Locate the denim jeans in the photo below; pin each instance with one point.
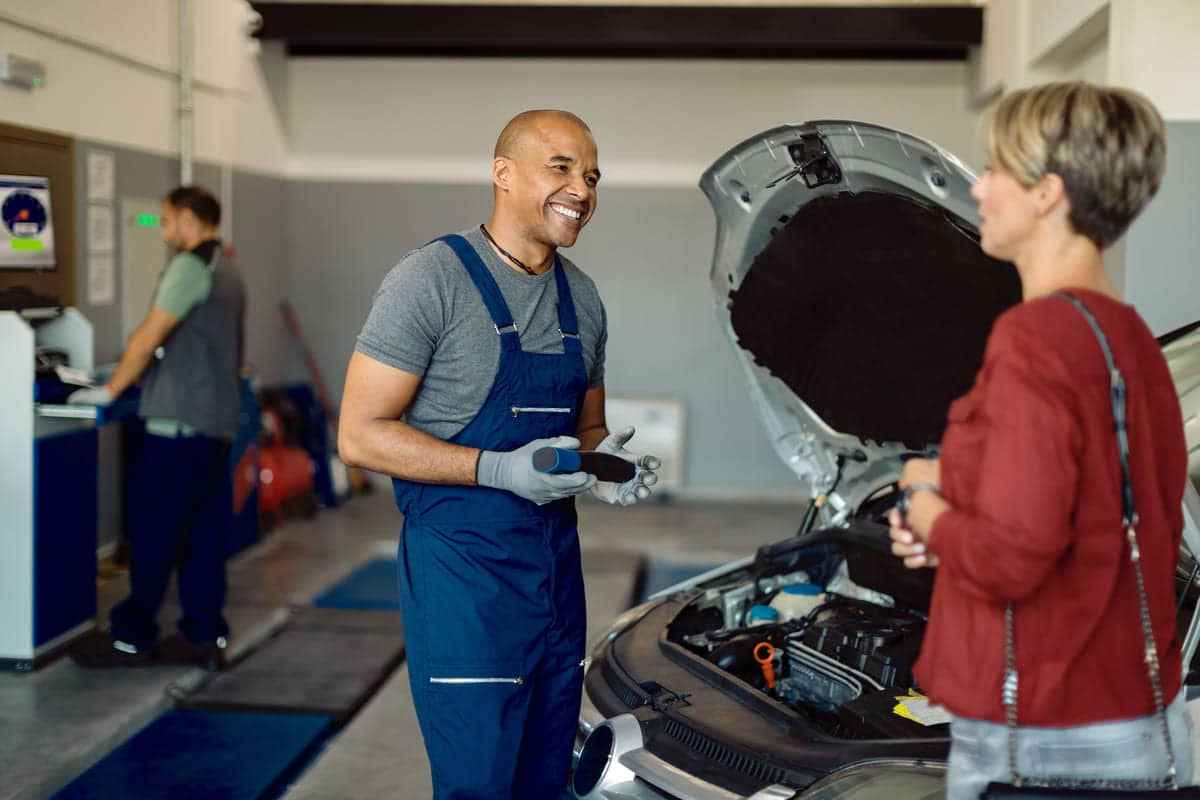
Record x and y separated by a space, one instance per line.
1131 748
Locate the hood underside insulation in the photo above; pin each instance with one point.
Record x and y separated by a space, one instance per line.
874 309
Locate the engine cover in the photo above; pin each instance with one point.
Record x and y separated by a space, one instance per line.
879 642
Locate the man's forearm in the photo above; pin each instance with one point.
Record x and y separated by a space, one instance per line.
137 357
398 449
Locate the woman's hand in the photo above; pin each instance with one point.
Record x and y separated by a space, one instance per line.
909 536
906 544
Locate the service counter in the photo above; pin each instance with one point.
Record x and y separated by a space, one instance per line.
48 487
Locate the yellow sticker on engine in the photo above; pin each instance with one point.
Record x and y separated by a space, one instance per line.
916 707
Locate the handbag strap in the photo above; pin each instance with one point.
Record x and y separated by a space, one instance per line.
1129 521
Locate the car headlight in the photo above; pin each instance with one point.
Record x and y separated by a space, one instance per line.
882 780
626 620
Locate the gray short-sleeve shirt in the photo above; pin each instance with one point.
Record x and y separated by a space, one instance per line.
429 319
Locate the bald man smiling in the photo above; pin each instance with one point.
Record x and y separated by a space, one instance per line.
480 348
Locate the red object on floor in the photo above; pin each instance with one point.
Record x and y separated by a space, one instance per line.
284 472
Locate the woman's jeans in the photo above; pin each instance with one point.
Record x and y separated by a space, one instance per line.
1132 748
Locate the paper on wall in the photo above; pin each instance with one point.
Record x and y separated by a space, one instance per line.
102 174
100 229
101 280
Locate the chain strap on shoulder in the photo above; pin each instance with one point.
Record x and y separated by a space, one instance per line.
1117 395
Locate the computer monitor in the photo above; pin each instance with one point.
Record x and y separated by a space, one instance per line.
26 225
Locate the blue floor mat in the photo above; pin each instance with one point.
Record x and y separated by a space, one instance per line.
200 754
370 587
324 661
660 573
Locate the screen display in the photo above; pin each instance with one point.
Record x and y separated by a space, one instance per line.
26 227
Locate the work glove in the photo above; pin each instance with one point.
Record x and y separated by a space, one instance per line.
636 488
513 472
94 396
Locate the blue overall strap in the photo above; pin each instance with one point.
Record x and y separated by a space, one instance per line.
501 317
568 325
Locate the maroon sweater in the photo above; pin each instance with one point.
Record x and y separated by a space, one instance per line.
1029 464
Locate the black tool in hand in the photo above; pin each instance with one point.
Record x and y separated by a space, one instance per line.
605 466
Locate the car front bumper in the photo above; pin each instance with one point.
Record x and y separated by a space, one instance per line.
630 772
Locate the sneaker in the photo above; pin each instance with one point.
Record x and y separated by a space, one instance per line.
175 649
99 650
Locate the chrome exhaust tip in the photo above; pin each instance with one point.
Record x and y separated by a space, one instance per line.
599 766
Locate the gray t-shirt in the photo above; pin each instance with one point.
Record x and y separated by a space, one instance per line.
429 319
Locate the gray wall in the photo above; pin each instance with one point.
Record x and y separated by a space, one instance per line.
344 238
259 232
1162 249
649 251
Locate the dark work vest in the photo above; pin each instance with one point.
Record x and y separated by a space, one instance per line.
194 378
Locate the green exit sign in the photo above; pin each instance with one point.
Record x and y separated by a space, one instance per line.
147 220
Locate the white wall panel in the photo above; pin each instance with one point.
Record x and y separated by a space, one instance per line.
111 76
656 122
1153 48
88 94
146 31
1148 45
1048 24
259 118
142 30
1004 45
219 37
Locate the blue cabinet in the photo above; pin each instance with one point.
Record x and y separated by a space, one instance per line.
64 533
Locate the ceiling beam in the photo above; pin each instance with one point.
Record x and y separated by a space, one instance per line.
374 29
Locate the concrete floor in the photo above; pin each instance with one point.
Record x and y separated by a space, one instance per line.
59 720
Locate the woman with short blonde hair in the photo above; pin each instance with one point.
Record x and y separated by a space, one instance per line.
1107 145
1024 512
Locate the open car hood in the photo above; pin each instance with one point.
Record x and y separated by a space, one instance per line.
848 274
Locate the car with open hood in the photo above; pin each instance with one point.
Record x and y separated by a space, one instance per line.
848 274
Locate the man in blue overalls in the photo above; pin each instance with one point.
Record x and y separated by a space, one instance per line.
490 345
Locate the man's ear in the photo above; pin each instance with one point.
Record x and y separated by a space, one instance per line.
501 173
186 220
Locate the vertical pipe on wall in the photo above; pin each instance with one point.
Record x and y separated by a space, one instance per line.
185 92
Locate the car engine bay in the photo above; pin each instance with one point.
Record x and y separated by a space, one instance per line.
827 627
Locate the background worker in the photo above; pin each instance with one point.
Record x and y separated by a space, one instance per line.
187 353
489 345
